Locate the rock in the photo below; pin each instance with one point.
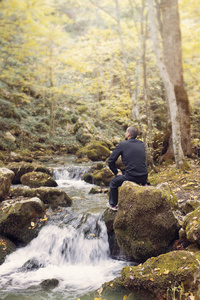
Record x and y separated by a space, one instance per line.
98 190
49 283
8 136
32 264
6 247
38 179
95 151
22 168
189 206
103 176
6 177
50 196
163 277
119 164
15 157
87 177
191 225
145 224
108 217
17 219
83 136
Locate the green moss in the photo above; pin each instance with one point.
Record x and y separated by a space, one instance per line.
95 151
145 224
2 156
102 176
160 274
191 225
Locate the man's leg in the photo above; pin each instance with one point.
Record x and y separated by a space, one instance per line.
114 184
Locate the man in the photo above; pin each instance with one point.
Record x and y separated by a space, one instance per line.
133 156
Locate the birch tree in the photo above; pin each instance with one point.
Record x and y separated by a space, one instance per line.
169 87
172 53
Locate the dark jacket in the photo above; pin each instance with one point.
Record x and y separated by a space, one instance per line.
133 156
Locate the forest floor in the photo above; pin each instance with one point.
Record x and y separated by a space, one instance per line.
185 185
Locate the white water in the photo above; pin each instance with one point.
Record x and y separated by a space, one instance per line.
76 252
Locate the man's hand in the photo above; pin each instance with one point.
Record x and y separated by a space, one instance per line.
119 173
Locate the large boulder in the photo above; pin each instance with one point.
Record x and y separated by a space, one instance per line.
145 224
95 151
174 275
191 225
17 219
6 177
38 179
21 168
50 196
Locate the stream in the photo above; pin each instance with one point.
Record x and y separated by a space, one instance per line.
72 248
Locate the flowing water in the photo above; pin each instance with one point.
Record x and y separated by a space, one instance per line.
72 248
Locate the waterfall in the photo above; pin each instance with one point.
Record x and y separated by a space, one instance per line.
77 254
71 172
72 248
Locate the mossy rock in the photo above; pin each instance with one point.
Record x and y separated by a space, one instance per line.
95 151
50 196
16 217
2 157
87 177
145 224
191 225
38 179
6 248
162 277
83 136
189 206
103 176
49 284
108 217
21 168
6 177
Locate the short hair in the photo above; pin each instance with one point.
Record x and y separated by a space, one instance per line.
133 131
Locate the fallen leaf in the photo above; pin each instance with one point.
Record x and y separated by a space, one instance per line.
151 279
166 272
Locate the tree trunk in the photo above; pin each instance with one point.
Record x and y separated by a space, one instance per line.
172 53
176 132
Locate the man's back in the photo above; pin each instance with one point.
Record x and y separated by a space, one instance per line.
133 156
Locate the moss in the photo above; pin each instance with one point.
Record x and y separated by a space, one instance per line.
6 247
102 176
145 224
2 156
157 275
95 151
37 179
191 225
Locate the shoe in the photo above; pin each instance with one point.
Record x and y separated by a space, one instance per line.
112 207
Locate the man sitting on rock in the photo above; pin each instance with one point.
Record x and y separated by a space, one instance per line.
133 156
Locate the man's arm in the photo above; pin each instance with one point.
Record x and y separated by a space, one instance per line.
113 158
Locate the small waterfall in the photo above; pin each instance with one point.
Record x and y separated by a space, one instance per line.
72 248
77 254
71 172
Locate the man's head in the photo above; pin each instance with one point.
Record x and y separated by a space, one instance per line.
131 132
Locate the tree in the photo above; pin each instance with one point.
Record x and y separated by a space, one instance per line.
172 53
169 86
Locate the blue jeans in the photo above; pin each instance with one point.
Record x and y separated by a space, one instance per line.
117 182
